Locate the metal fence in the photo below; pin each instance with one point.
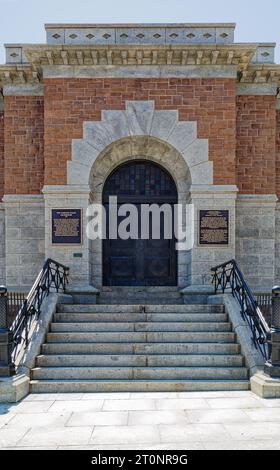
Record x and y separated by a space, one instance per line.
265 303
15 302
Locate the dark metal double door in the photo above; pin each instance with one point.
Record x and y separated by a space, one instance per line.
140 262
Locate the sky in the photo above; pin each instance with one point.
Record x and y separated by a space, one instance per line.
22 21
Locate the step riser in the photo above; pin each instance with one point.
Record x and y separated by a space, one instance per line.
63 308
139 317
138 361
139 374
94 349
141 337
145 300
92 387
141 327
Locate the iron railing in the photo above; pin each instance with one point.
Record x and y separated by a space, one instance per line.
52 278
228 277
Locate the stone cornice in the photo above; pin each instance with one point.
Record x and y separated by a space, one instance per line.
200 54
174 57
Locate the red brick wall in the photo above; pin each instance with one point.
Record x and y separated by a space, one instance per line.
278 153
256 137
1 155
70 102
24 137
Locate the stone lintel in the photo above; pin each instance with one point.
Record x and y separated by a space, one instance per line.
28 89
224 191
23 198
256 89
63 190
136 71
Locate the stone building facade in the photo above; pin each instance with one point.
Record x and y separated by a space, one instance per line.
186 97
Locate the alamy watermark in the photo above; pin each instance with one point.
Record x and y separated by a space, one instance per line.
142 221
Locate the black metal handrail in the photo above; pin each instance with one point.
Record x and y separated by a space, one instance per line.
52 278
228 276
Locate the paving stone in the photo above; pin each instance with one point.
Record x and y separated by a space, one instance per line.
139 418
264 415
31 407
38 420
5 419
230 403
239 445
107 396
125 435
143 404
56 436
81 406
254 431
193 432
99 418
10 437
54 397
217 416
181 404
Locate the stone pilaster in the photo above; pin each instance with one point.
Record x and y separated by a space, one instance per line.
2 245
255 239
277 244
203 258
25 235
76 257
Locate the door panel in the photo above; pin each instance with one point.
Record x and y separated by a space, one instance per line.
140 262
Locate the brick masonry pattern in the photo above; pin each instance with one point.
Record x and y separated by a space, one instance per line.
24 144
243 131
256 139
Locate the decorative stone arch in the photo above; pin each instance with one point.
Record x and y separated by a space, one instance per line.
140 119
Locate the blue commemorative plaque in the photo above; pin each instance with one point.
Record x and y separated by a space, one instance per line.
66 226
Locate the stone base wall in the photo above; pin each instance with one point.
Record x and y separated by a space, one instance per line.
25 240
255 239
2 246
277 244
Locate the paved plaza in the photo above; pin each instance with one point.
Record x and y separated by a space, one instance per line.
172 421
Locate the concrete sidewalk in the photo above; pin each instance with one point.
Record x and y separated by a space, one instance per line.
188 421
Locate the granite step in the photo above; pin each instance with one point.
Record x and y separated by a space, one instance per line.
137 360
92 386
140 327
78 308
142 337
141 348
138 373
139 317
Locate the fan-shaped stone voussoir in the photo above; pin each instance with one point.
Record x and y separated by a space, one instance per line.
140 119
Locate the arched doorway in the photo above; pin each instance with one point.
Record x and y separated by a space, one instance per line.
140 262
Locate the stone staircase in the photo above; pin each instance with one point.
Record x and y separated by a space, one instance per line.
112 348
